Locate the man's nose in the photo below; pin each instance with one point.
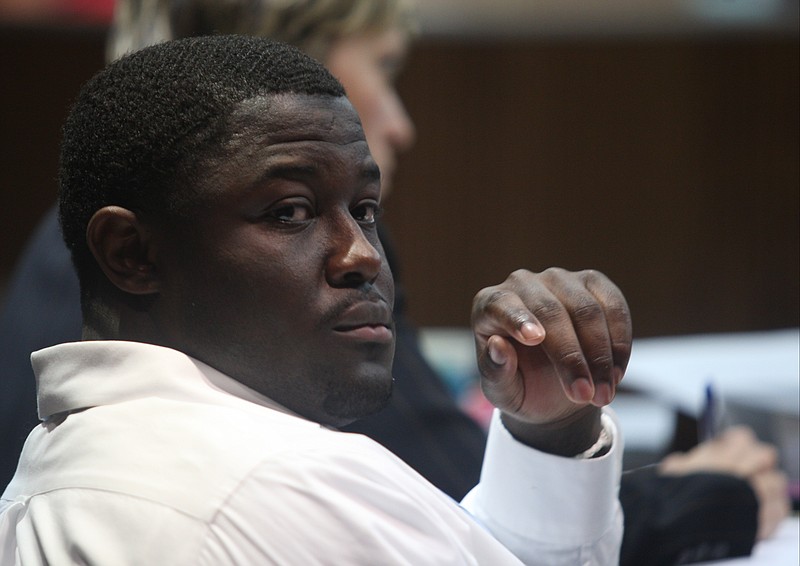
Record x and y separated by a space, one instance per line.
352 259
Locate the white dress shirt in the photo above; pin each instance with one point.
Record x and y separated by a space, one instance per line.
147 456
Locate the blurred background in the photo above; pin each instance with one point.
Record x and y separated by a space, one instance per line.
656 141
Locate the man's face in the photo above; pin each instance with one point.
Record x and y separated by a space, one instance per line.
279 280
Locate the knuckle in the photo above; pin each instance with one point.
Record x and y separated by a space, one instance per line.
492 295
487 299
602 362
586 311
547 309
520 274
593 274
553 273
618 311
572 359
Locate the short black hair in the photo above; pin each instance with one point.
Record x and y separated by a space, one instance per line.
139 127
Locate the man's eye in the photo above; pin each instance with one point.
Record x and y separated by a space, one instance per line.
367 213
290 213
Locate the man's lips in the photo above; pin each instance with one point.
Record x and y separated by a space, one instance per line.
367 321
368 333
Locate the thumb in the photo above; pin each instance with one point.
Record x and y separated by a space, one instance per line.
498 367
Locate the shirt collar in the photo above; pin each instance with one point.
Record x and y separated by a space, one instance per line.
79 375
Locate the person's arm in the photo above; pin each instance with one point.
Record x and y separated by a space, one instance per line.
687 518
709 503
737 452
552 348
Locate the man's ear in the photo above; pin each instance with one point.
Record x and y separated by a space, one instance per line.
124 250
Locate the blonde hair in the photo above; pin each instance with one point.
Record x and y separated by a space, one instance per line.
311 25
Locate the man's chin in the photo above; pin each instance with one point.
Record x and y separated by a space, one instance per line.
371 396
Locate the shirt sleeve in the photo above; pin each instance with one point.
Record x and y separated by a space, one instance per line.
571 512
348 507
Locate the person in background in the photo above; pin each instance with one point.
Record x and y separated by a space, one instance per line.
364 43
219 201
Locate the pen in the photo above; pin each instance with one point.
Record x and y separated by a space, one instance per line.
708 418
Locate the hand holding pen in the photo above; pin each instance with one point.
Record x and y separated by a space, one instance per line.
738 452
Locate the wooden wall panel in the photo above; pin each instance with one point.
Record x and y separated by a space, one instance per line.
670 164
42 69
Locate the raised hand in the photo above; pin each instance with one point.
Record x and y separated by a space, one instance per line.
552 348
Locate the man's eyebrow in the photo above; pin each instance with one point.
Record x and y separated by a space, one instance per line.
299 171
288 171
368 172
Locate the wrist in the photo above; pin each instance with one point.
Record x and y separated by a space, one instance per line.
573 436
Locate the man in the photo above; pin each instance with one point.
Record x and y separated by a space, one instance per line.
219 201
364 42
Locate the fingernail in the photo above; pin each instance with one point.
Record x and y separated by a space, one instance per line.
496 355
603 394
582 390
531 331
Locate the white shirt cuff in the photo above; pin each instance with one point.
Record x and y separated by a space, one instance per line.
538 496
